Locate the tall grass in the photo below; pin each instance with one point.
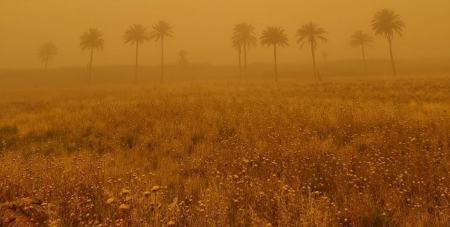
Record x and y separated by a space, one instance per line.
369 153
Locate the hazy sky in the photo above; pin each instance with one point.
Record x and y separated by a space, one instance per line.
203 28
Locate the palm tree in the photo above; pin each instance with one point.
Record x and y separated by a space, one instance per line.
361 39
244 37
237 45
46 53
136 35
325 56
311 34
162 30
387 23
182 58
274 36
92 40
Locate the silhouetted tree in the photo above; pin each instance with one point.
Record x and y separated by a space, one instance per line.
46 53
310 34
182 58
274 36
325 56
362 40
237 45
92 40
136 35
160 32
244 36
387 23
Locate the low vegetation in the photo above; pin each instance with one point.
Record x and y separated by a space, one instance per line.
368 153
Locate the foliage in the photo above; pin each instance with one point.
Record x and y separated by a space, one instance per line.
92 39
387 23
47 52
136 34
244 35
367 153
360 38
274 36
161 30
311 34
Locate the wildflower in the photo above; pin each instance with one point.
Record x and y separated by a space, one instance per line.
124 207
110 200
125 191
156 188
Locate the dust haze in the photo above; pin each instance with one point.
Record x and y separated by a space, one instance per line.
180 113
204 28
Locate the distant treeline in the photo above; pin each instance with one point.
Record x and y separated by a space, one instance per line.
76 76
385 23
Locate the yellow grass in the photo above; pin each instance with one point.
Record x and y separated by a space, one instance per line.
368 153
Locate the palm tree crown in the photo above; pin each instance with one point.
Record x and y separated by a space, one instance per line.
161 30
311 34
243 38
360 38
92 39
274 36
136 34
244 35
387 23
47 52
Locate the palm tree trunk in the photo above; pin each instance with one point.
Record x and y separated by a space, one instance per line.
363 51
275 61
245 58
240 60
162 59
394 69
90 65
313 53
137 63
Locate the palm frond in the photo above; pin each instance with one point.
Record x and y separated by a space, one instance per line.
310 34
244 35
161 30
360 38
47 52
274 36
92 39
387 23
136 33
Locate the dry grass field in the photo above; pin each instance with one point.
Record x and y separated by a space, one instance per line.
228 153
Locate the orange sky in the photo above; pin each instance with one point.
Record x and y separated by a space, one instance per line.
203 28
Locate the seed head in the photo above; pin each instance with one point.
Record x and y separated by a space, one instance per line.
156 188
110 200
124 207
